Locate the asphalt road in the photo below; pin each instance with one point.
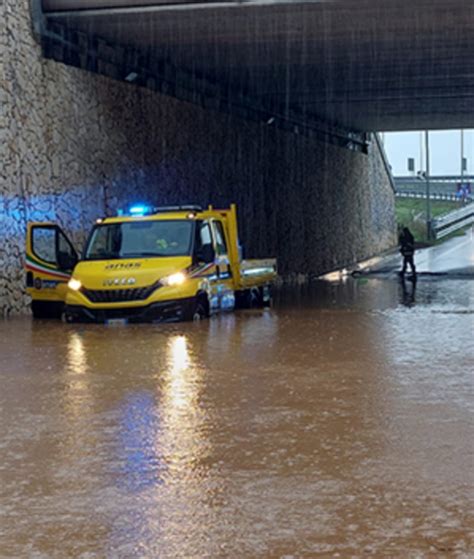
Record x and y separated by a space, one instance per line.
455 255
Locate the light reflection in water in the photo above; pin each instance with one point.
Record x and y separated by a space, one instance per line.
77 355
178 390
161 437
77 384
161 450
182 417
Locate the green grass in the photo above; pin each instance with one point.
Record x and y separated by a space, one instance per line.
411 213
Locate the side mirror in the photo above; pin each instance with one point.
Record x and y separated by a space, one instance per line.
66 261
206 254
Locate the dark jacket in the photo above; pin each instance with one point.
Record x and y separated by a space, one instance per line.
407 243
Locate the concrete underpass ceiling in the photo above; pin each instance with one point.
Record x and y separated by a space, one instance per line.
362 64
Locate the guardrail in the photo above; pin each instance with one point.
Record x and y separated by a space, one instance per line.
433 195
457 219
434 178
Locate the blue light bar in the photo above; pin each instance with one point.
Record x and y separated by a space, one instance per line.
139 210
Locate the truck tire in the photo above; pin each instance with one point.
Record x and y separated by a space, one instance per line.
266 294
68 318
197 311
249 298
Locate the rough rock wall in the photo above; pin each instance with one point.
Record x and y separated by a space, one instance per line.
76 145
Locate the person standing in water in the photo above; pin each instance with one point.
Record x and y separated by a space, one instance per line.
407 250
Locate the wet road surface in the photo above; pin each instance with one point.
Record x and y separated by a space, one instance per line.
337 424
452 258
455 254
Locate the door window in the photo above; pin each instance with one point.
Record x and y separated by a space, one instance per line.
204 237
50 245
204 248
44 244
221 247
66 254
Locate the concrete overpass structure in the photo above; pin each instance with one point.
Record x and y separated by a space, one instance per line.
268 104
361 65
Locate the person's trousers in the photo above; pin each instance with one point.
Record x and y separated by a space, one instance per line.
408 260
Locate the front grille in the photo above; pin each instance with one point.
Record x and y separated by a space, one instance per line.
119 295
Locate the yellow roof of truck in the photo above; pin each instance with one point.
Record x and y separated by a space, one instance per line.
148 213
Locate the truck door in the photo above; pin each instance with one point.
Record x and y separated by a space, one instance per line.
50 260
204 261
224 270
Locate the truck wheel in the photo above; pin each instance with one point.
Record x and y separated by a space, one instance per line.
249 299
67 318
198 310
266 295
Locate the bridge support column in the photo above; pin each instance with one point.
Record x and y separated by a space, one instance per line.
75 146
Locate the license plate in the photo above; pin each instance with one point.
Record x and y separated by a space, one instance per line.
116 321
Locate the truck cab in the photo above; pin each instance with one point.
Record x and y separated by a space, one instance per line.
145 265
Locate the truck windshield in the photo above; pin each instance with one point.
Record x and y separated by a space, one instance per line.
140 239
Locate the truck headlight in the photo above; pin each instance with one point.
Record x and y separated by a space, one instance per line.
74 284
174 279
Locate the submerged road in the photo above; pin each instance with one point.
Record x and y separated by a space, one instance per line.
337 424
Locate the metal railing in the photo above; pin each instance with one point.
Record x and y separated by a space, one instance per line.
433 195
449 179
453 221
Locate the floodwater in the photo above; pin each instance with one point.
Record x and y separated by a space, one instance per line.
337 424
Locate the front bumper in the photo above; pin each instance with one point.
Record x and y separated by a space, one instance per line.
163 311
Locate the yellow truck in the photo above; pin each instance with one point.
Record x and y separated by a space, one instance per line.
145 265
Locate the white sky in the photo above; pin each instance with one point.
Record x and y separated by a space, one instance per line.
445 151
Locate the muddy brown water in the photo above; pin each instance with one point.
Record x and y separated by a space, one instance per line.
337 424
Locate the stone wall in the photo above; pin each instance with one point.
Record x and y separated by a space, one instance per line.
74 146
